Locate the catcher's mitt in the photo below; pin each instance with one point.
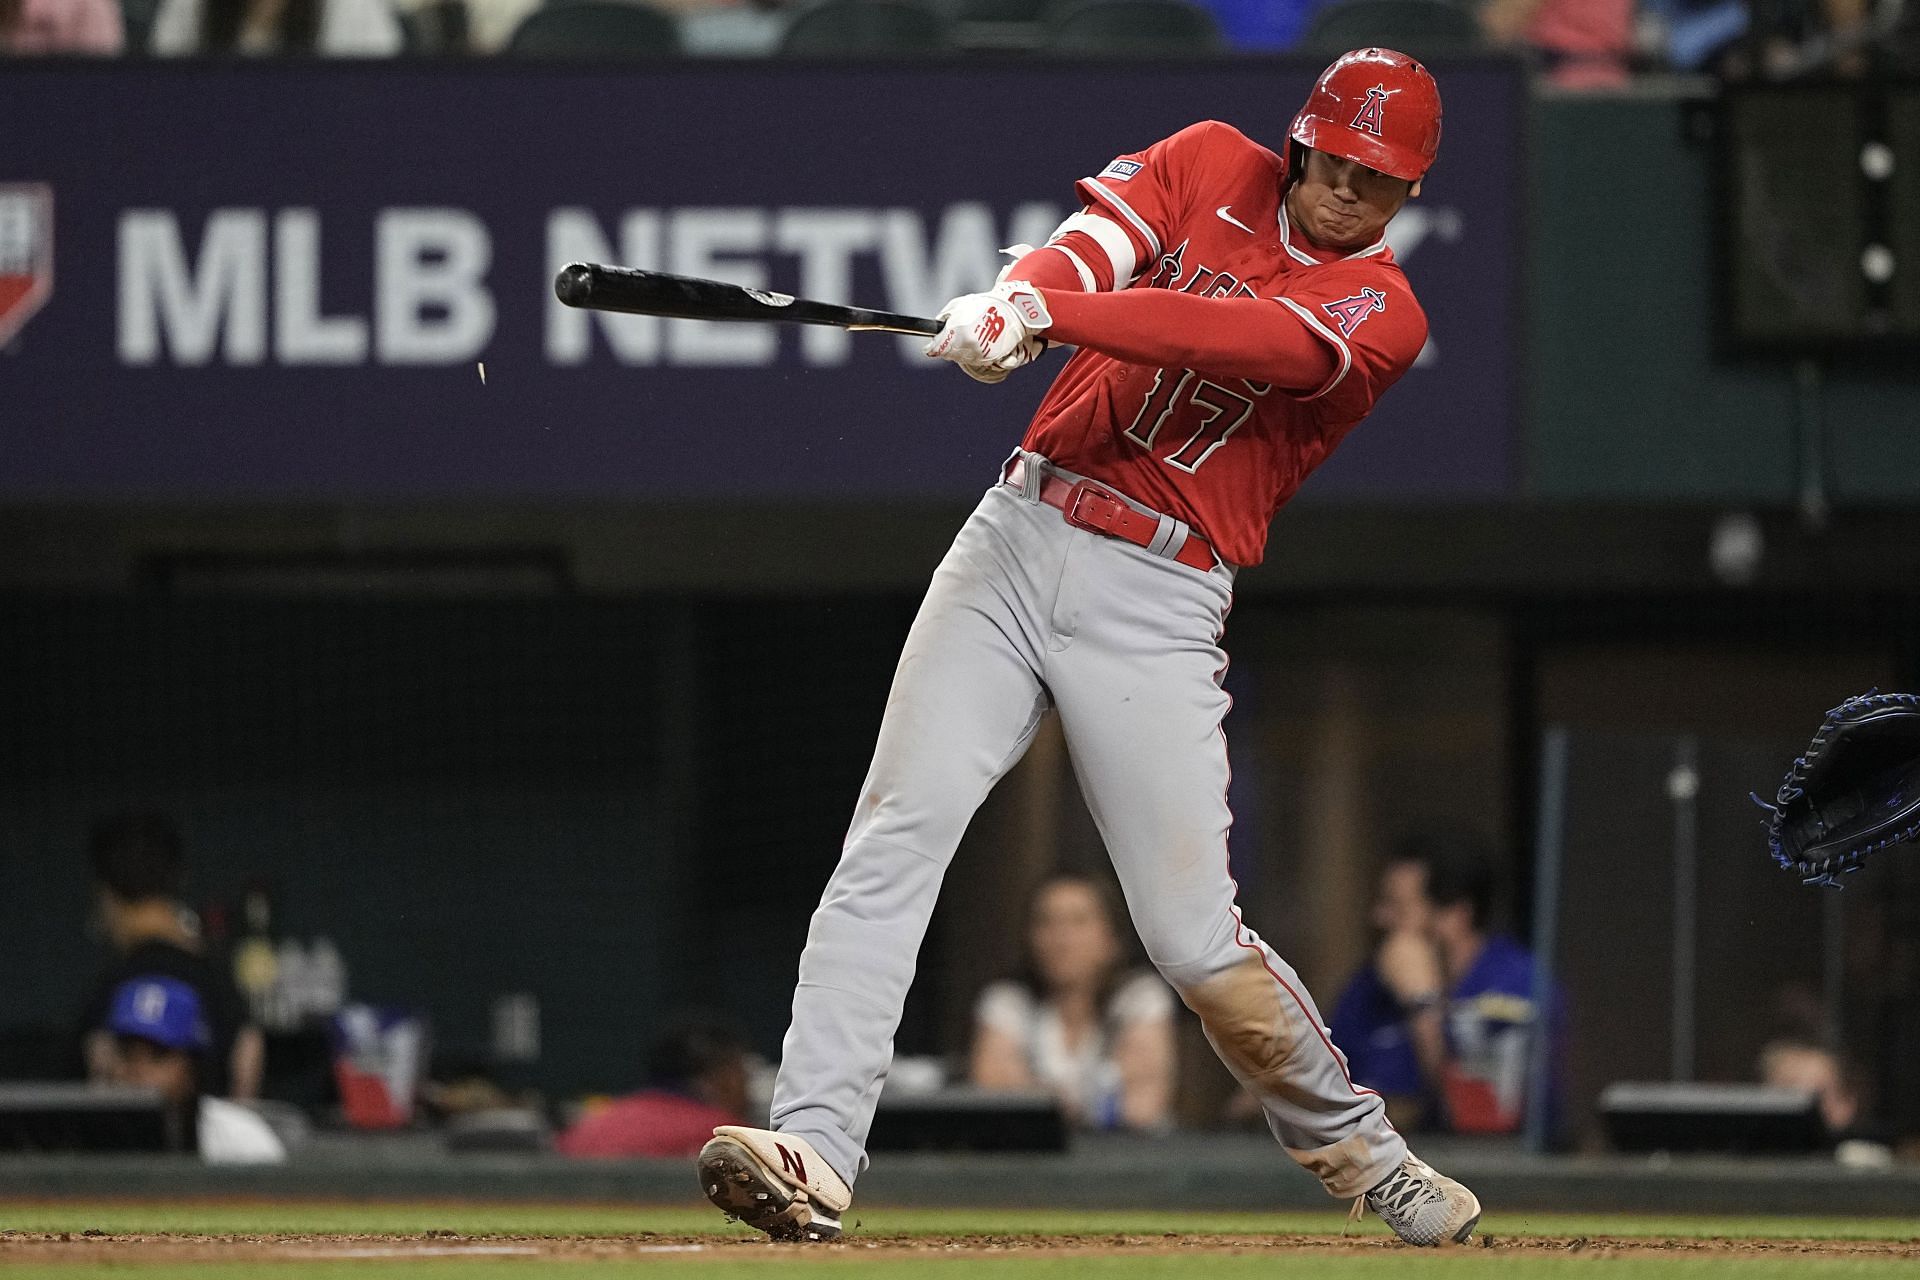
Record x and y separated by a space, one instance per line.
1855 791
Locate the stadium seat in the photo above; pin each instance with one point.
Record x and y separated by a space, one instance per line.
996 25
1418 27
864 28
1133 27
588 29
436 27
137 17
996 10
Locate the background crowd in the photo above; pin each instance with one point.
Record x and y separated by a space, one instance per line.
1576 44
1441 1019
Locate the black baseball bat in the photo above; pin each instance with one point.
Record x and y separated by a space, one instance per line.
656 293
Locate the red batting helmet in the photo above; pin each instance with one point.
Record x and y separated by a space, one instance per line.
1375 106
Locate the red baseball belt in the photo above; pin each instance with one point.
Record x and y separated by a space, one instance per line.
1098 509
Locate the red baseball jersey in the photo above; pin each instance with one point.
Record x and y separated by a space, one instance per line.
1202 213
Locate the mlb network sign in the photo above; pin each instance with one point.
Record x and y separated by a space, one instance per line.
287 298
248 290
244 287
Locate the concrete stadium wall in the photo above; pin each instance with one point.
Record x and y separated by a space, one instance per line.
1627 401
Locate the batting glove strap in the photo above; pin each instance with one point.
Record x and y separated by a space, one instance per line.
1027 301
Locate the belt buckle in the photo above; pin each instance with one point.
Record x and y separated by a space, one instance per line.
1094 508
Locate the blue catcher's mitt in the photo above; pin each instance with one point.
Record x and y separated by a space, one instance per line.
1854 792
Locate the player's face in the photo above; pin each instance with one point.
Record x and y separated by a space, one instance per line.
1072 939
1342 204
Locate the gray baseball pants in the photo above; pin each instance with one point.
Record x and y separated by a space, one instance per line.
1027 614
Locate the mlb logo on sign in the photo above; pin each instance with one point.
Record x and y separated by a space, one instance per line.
26 254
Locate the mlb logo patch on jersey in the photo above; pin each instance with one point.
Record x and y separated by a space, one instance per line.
1121 170
26 254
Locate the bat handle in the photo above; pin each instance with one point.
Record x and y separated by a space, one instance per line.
905 324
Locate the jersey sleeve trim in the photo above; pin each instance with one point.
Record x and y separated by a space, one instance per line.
1339 345
1112 241
1088 280
1100 191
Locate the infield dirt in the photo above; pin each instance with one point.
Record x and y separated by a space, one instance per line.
21 1248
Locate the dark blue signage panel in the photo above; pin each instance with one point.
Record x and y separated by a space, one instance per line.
333 281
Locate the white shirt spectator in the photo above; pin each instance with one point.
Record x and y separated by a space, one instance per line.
1084 1076
348 29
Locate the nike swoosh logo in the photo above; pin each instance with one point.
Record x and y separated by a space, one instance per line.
1224 216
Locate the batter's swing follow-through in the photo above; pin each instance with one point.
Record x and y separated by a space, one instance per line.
1236 312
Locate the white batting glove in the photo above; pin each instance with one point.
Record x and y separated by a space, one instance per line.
991 334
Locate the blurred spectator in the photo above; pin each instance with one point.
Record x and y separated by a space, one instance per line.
491 23
1264 24
697 1080
732 28
1802 1064
1692 35
1441 1022
1584 43
1788 38
1074 1021
61 26
253 28
138 866
162 1042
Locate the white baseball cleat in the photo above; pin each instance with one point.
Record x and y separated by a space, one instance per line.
1423 1207
775 1182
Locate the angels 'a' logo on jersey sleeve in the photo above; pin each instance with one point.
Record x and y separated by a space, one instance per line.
1368 118
1349 312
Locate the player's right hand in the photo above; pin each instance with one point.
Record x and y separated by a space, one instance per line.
991 334
1409 967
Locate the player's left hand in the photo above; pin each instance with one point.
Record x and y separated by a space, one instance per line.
991 334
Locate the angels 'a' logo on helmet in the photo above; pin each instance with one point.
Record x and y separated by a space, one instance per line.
1368 118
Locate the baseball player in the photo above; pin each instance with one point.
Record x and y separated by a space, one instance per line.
1236 313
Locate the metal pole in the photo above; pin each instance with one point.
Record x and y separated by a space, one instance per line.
1549 848
1833 947
1815 503
1683 788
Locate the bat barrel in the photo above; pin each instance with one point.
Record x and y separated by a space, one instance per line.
574 284
658 293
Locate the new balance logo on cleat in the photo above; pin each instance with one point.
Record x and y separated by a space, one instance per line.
790 1162
775 1183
